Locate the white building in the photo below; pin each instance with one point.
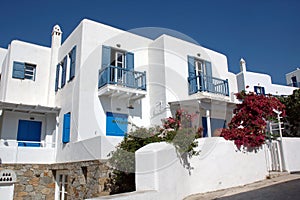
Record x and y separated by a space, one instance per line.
293 78
75 100
260 83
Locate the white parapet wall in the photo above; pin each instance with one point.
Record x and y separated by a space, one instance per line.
291 154
218 166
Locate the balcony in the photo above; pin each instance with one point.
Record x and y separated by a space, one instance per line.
13 151
121 82
204 83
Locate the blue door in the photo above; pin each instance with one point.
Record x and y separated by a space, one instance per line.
116 124
214 123
29 131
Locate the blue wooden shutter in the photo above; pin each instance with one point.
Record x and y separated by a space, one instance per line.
18 70
64 71
66 128
192 75
105 56
57 77
209 82
73 63
130 66
104 73
263 90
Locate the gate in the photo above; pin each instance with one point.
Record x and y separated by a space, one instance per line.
273 153
274 147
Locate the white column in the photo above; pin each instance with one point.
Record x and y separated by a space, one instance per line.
208 123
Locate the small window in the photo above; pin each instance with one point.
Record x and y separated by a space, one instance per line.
24 71
30 71
259 90
61 188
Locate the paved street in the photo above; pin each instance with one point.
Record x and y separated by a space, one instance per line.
289 191
286 186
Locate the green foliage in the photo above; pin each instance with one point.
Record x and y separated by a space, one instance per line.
292 104
122 160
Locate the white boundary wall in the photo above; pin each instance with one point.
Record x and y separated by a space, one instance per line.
218 166
291 154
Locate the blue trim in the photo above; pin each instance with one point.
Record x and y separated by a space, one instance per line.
72 63
192 74
64 71
116 124
18 70
57 77
29 131
66 128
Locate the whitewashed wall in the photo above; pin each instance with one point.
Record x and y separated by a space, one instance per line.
3 53
289 76
291 154
10 120
218 166
252 79
27 91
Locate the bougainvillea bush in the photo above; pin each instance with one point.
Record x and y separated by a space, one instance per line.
248 126
177 131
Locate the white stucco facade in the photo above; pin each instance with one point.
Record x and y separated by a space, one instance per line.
250 81
49 86
293 78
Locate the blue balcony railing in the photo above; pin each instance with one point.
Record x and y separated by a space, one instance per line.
123 77
204 83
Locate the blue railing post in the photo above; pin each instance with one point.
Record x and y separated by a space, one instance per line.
226 87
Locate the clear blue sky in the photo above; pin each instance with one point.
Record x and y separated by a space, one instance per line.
265 32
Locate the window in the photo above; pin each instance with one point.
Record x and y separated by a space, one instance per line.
66 128
259 90
200 75
72 56
61 188
117 60
66 68
294 81
24 71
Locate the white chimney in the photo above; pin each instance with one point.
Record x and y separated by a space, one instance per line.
55 45
242 65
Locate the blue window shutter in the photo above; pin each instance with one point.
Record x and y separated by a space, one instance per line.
263 90
64 71
73 63
209 82
208 68
105 56
66 128
192 75
130 66
57 77
129 61
18 70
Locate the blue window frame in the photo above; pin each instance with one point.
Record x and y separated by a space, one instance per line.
259 90
24 70
66 128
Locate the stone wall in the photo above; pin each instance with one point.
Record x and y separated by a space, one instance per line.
86 179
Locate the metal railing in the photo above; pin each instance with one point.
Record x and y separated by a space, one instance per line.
123 77
21 143
204 83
